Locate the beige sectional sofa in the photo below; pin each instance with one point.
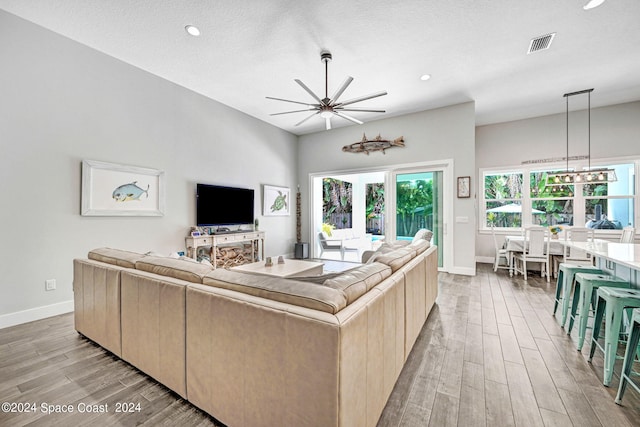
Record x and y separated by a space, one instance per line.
261 351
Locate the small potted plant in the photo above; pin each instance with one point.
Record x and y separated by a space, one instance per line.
555 229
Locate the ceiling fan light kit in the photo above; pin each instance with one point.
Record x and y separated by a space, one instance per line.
328 107
589 176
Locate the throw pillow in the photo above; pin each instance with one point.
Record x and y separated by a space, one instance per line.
424 234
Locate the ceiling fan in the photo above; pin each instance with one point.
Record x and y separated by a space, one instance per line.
329 107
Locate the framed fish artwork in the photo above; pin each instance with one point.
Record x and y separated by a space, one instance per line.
110 189
276 201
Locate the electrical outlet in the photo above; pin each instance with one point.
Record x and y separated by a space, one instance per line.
50 284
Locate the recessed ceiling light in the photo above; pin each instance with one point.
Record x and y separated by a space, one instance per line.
192 30
425 77
592 4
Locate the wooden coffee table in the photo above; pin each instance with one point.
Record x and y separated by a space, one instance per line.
290 268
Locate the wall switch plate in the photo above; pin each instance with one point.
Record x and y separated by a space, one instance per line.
50 284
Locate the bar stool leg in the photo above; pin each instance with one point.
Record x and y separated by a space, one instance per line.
597 323
566 297
585 301
613 321
574 306
559 292
629 354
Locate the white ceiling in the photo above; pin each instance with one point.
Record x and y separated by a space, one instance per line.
474 50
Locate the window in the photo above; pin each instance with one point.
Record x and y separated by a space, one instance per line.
519 197
550 205
503 199
610 205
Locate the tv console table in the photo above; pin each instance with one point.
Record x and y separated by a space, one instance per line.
215 240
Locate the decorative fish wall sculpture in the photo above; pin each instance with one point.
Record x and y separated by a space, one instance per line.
377 144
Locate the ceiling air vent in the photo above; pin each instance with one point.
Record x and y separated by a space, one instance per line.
540 43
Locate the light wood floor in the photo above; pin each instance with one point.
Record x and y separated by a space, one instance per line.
490 354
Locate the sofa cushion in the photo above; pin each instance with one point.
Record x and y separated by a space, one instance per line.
320 278
289 291
419 246
358 281
176 268
116 257
396 258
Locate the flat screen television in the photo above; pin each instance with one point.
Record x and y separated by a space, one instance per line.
218 205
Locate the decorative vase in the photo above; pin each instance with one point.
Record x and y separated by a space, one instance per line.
554 236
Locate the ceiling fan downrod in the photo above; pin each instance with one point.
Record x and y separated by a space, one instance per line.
325 56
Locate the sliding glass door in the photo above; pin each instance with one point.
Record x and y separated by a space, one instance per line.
419 204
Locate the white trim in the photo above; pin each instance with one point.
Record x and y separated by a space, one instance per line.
25 316
465 271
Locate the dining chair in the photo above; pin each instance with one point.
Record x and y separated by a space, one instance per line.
574 255
628 234
500 254
536 249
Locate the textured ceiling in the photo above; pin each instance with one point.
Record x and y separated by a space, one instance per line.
474 50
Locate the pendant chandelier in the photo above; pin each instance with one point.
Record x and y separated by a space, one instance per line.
590 175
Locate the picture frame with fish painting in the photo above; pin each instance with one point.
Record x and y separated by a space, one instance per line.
110 189
276 201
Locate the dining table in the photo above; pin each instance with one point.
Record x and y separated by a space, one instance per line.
516 244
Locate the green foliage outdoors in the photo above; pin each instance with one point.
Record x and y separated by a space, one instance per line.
555 202
414 204
336 201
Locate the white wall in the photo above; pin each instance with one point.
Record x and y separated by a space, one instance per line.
440 134
60 103
615 132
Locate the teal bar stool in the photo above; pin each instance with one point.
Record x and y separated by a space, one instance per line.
564 286
630 352
611 304
585 295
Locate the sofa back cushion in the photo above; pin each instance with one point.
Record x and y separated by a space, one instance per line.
419 246
116 257
396 258
358 281
173 267
290 291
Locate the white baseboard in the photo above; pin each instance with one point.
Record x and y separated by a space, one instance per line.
465 271
25 316
485 259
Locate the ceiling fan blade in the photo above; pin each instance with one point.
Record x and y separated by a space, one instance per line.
327 122
344 86
361 98
309 91
289 112
307 118
288 100
362 110
344 116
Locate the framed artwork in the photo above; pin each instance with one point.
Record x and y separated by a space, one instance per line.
464 186
110 189
276 201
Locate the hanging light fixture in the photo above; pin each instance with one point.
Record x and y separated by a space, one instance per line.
589 176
